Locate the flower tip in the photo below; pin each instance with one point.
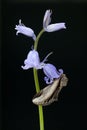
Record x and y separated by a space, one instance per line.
15 27
60 71
25 67
49 11
17 32
34 37
21 28
64 26
19 21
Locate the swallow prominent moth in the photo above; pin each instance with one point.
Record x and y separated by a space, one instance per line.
50 93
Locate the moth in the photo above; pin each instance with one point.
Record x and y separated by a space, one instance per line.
50 93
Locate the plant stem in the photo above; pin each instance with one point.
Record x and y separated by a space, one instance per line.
37 39
40 108
36 80
41 118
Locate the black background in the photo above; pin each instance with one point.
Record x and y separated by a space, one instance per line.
69 52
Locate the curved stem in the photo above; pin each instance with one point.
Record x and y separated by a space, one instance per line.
37 39
40 108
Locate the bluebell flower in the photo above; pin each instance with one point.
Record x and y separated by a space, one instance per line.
21 28
51 27
51 73
33 61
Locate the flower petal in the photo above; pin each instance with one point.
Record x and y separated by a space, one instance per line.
41 65
55 27
27 66
47 18
48 80
51 73
32 60
21 28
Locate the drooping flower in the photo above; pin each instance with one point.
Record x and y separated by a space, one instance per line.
21 28
51 73
51 27
32 60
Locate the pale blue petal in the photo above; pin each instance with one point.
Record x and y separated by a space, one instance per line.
51 72
47 18
55 27
32 60
26 66
48 80
25 30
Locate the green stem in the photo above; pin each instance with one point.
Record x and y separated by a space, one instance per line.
37 39
41 118
40 108
36 80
